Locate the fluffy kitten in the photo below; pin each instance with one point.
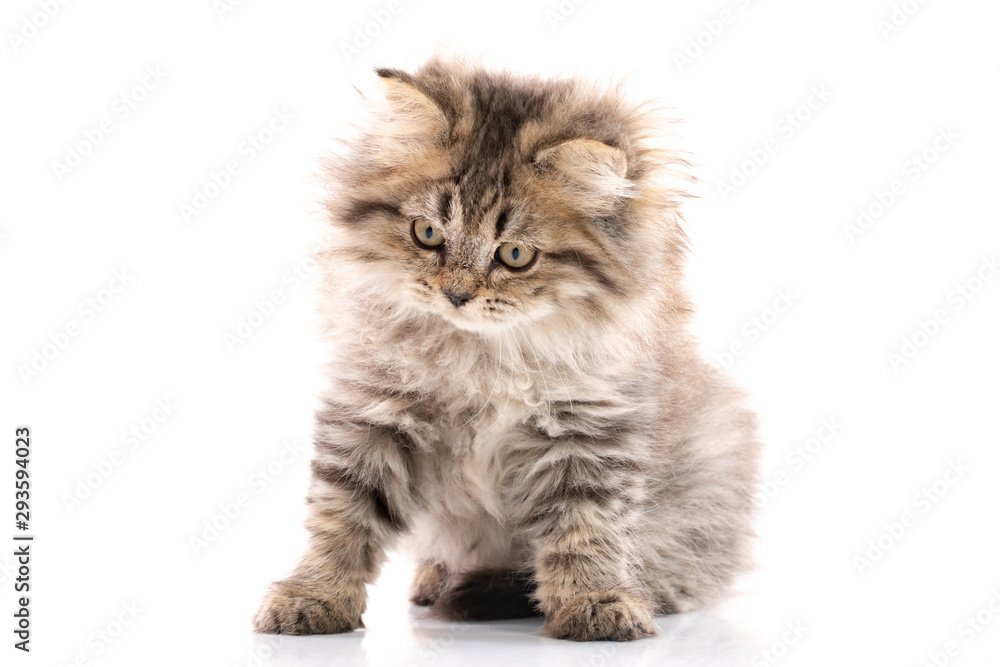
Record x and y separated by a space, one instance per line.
513 389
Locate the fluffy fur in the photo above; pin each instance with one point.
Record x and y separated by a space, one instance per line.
555 444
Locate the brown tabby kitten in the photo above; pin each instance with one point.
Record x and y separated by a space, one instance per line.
514 391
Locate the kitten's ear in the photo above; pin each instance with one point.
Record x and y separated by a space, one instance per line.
408 111
596 169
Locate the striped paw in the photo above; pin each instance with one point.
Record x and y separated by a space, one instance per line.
293 609
604 615
428 581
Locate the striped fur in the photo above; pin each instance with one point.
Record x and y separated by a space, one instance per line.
555 445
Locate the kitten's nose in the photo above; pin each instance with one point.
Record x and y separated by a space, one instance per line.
458 299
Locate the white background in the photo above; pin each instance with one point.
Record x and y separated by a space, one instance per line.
887 92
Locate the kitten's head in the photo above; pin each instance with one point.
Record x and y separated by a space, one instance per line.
491 200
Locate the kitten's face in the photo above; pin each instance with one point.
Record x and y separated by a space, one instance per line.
480 269
493 203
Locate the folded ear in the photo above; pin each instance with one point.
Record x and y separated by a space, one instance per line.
594 168
407 110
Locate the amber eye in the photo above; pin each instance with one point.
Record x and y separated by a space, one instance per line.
515 255
426 234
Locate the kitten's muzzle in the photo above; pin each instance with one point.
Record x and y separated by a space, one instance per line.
458 299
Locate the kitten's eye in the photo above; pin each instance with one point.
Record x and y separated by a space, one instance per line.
514 255
426 234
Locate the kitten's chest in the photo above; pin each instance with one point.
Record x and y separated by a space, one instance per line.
471 449
471 441
476 408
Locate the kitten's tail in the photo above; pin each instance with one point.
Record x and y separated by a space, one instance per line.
486 595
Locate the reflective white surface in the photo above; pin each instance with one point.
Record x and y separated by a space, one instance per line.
397 633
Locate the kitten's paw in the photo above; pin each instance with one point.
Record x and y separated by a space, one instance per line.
604 615
427 584
292 609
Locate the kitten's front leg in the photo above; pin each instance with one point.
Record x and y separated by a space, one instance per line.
358 499
583 496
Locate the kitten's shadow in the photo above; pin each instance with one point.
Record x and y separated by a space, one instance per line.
696 638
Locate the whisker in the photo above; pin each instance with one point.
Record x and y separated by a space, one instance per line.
555 365
510 388
538 368
492 391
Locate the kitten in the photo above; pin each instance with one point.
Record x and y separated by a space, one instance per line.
513 388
